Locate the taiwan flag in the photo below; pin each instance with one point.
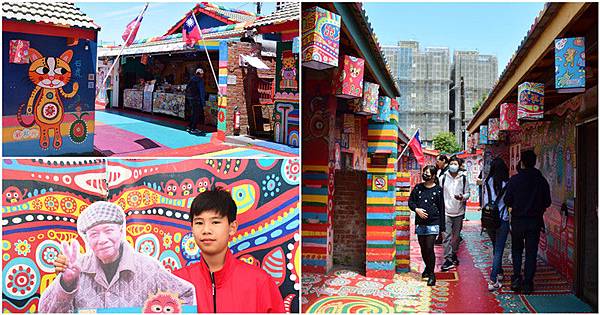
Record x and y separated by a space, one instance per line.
415 146
191 31
132 28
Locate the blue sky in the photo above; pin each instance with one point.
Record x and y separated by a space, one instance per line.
160 16
490 28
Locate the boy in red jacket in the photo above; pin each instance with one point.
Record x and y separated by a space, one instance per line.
223 283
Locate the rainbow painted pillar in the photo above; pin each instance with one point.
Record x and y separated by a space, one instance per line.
402 222
222 99
381 197
318 176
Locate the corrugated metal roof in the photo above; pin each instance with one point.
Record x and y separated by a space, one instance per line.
58 13
288 12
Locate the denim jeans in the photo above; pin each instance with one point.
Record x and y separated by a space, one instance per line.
499 237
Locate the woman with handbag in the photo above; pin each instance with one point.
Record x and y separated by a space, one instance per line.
427 201
495 217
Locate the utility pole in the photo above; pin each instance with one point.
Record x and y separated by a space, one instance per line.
462 112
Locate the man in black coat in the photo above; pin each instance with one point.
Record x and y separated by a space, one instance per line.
527 197
196 96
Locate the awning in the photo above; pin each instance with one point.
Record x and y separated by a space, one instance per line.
131 50
253 61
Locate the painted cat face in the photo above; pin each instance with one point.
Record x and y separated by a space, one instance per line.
49 72
354 72
288 62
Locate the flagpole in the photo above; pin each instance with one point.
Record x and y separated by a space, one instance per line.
406 147
109 73
206 50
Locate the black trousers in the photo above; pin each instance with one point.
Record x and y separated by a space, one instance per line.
197 112
525 236
427 242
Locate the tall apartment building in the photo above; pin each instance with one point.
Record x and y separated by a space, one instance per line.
479 73
424 80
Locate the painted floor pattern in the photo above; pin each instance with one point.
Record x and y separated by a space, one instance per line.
463 290
124 134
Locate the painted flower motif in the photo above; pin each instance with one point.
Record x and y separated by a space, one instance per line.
147 198
22 247
167 240
147 248
50 254
271 185
36 204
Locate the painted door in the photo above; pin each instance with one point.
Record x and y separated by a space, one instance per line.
587 213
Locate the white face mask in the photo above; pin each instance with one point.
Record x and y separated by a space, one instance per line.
453 168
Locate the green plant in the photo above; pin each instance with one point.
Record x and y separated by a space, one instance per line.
446 142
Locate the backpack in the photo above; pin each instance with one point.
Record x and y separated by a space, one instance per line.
490 213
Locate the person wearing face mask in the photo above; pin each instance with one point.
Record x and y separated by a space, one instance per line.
454 185
427 201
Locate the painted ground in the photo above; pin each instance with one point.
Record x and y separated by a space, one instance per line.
138 134
463 290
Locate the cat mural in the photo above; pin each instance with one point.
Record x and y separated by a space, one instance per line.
50 75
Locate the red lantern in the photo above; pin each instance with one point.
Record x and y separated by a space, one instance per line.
349 82
508 117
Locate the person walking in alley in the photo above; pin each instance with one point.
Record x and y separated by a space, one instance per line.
454 186
441 165
527 197
195 94
427 201
495 217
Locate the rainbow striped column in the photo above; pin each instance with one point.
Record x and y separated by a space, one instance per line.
222 100
402 222
381 199
317 230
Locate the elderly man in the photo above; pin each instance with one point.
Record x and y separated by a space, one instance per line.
112 275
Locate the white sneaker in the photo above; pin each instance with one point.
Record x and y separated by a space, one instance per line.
494 286
500 277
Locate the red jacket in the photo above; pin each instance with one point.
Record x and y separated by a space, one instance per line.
239 288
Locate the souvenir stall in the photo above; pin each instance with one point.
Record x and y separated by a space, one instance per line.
153 76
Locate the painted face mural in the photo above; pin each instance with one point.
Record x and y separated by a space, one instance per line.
50 75
52 196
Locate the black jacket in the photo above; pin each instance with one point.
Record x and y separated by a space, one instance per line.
195 89
528 194
430 199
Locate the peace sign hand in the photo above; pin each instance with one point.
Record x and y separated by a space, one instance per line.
67 264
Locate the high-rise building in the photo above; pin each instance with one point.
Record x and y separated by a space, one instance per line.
424 79
479 73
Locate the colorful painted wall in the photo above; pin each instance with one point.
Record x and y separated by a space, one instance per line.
474 165
318 170
48 100
554 144
381 198
42 200
286 100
